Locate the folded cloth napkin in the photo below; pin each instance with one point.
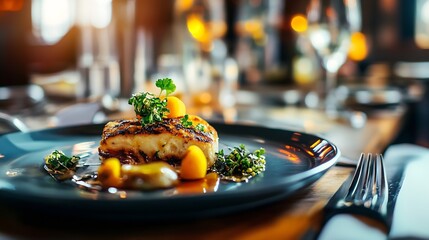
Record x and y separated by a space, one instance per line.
410 219
411 215
348 227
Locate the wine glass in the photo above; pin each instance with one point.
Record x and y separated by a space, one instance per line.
202 26
330 25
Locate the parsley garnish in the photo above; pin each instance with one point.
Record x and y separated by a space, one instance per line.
150 108
185 121
167 85
239 165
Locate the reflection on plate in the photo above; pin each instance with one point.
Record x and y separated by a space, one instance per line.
294 160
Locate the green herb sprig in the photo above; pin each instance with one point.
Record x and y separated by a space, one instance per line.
185 121
189 124
167 85
58 162
152 108
240 164
200 127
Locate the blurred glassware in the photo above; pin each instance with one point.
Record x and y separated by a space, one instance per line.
170 65
228 90
330 25
143 64
305 65
201 26
52 19
98 49
421 35
258 47
124 53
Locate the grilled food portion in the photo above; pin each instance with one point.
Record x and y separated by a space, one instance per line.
167 140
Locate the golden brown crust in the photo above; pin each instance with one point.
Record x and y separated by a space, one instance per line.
168 125
167 140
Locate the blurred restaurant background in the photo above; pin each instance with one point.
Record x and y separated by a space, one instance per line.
220 53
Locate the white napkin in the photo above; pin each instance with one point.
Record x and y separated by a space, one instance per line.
348 227
411 214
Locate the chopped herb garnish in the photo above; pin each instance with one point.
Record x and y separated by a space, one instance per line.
189 124
59 163
200 127
150 108
239 165
185 121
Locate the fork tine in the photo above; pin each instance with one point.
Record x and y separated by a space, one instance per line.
357 180
366 194
382 193
366 181
371 184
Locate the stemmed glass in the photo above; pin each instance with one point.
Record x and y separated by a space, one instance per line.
202 26
330 24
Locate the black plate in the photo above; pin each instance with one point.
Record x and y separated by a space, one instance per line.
294 160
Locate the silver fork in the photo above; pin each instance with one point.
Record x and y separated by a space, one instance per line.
367 194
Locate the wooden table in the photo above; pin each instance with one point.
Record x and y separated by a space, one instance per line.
287 219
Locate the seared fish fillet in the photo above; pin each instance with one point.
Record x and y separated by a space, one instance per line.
167 141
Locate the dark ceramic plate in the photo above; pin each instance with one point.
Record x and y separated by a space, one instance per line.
294 161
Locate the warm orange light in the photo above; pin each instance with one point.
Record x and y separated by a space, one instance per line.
292 157
330 13
317 142
254 28
209 184
196 27
11 5
288 152
183 5
123 194
358 48
217 28
205 98
309 153
325 152
204 32
299 23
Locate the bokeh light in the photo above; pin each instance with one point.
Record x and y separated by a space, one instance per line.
358 47
299 23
